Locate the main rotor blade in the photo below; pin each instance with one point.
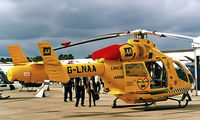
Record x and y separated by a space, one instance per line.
172 35
134 32
160 34
177 37
107 36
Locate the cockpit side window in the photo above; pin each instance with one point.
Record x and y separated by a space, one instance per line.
180 71
136 70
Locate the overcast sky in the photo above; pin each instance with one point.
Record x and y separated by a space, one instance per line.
26 22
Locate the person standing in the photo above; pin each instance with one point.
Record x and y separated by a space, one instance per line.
91 90
98 84
80 84
68 90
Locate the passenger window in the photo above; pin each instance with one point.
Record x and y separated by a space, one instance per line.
135 70
180 71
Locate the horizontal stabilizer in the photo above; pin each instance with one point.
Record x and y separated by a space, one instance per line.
53 67
17 55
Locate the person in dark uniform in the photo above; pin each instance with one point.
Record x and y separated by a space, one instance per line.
91 90
80 84
68 90
98 83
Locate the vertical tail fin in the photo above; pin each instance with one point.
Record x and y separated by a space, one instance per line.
17 55
53 66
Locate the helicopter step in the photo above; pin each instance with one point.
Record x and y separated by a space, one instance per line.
3 97
182 99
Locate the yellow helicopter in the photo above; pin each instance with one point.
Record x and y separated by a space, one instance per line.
135 72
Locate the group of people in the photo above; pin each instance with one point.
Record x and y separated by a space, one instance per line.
91 84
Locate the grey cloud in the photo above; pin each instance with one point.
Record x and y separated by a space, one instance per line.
59 21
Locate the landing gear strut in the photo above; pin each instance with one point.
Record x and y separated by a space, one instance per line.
3 97
146 104
114 103
182 99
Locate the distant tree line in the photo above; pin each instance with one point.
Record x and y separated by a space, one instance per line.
89 56
39 58
5 60
65 57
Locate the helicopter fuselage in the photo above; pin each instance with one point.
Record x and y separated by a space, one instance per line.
141 73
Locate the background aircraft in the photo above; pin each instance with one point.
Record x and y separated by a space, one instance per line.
7 85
